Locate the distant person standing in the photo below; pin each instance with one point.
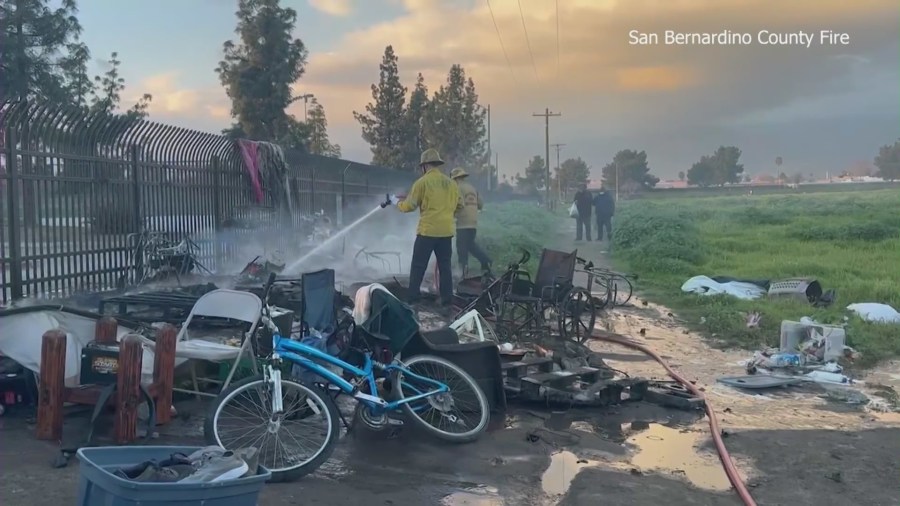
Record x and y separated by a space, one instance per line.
604 210
437 199
467 223
583 203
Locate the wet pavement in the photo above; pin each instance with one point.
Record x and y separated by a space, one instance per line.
531 459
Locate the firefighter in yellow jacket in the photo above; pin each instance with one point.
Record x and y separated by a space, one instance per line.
437 199
467 223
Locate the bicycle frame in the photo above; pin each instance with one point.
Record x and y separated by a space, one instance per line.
304 356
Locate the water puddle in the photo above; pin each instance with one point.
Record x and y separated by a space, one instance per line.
479 496
563 468
670 450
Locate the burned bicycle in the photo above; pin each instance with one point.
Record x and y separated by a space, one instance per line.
156 256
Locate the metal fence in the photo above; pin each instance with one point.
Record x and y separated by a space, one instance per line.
76 187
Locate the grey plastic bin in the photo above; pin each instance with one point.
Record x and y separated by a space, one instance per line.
98 485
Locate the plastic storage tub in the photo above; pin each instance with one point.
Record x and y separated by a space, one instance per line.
98 485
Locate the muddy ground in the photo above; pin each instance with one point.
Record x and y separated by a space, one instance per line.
793 446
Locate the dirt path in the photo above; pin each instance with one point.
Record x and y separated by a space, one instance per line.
793 445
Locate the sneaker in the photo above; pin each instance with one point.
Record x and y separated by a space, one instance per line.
205 453
170 474
132 472
251 457
215 468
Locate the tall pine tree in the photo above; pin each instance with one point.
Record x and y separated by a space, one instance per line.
258 71
384 125
319 143
108 92
414 115
455 122
77 83
32 53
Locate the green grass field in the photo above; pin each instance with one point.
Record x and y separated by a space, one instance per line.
504 230
848 241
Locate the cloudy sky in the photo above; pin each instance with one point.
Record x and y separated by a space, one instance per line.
822 108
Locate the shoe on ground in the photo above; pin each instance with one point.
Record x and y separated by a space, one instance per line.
216 468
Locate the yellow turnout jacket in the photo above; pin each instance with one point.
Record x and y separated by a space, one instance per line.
467 216
436 197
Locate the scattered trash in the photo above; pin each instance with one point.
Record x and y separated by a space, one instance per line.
829 377
805 289
757 382
704 285
876 313
753 320
846 395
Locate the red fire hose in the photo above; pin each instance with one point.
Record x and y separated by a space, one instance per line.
727 463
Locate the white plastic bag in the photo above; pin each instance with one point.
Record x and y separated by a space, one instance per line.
573 211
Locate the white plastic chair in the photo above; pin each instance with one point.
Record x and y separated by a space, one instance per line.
472 327
222 303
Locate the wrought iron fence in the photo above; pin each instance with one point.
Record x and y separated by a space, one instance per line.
77 188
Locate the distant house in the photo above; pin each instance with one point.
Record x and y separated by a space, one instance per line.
671 183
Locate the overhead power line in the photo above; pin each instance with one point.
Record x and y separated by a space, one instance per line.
500 38
527 41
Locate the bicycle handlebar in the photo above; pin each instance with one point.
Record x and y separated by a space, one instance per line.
266 314
588 265
268 287
524 259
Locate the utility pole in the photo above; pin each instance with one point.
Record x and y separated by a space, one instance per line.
305 97
558 147
490 176
547 115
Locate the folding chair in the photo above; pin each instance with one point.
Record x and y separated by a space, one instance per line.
319 312
523 302
223 304
319 308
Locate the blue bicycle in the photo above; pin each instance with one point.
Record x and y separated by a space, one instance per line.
294 424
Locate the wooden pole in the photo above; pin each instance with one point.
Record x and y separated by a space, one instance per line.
105 331
164 372
53 387
128 392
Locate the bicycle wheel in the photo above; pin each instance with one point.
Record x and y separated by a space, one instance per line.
623 289
602 295
464 407
577 315
291 444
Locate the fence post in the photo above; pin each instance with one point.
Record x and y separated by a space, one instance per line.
217 210
312 191
136 188
136 215
12 214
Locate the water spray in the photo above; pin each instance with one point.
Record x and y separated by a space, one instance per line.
341 233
